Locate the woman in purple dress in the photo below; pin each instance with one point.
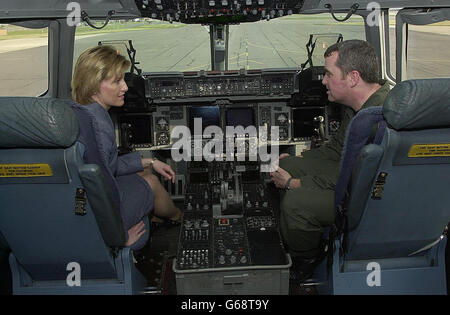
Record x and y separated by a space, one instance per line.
97 85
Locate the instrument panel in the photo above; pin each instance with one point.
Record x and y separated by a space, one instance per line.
264 98
260 84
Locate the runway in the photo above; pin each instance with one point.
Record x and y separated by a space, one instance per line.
279 43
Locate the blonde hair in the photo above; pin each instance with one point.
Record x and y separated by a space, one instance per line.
93 66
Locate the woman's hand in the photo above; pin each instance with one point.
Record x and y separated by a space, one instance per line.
160 167
135 233
165 170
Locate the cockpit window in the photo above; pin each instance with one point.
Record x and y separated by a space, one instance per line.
23 60
281 42
428 51
162 46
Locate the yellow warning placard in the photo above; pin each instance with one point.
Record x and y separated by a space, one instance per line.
25 170
429 150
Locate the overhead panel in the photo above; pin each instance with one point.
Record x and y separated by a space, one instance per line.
217 11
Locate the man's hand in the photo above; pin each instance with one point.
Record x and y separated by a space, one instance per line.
280 177
283 155
164 169
135 233
275 164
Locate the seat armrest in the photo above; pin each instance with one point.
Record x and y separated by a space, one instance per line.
99 197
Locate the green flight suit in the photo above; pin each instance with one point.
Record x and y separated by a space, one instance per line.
305 211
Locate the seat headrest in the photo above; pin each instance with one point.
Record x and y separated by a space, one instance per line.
416 104
36 122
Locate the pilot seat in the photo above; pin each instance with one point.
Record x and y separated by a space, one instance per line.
58 216
392 197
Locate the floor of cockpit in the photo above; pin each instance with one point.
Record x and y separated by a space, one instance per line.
154 261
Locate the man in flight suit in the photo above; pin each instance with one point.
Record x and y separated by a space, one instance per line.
352 78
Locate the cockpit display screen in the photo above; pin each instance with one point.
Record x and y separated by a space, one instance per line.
210 116
240 117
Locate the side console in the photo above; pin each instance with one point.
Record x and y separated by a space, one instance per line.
228 229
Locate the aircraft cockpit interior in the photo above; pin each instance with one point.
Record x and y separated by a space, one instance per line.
221 130
240 84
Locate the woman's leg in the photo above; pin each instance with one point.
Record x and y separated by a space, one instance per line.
164 206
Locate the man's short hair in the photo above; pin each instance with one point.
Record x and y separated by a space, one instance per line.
356 55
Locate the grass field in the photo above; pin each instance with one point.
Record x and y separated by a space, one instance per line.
15 32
